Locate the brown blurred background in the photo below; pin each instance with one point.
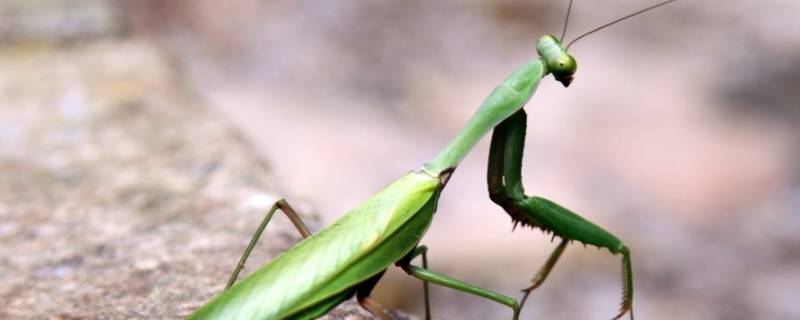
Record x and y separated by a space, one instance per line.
678 135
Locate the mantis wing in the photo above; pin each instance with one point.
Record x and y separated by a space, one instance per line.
317 273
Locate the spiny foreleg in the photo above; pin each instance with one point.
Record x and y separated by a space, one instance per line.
505 189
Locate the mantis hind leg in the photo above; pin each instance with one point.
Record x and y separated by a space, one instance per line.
505 188
362 295
290 213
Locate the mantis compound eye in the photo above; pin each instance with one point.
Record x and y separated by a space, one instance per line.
563 68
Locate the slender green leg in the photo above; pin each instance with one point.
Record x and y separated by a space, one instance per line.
544 271
423 251
290 213
505 189
443 280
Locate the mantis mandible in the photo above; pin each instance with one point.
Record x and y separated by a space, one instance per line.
348 257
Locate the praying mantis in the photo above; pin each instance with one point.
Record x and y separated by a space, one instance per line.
348 257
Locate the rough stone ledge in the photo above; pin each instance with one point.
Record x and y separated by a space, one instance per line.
120 195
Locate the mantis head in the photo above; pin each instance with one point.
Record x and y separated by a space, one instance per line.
558 62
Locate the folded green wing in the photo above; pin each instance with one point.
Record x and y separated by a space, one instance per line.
328 264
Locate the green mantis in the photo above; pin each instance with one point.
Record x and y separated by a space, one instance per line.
348 257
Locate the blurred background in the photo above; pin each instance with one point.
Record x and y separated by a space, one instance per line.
679 134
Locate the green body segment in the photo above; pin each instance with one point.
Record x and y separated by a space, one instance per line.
321 271
505 99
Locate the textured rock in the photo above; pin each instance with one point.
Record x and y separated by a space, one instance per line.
120 195
58 20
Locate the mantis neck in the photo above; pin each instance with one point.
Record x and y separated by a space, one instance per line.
505 100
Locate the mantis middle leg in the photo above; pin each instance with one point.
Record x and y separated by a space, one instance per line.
505 189
427 275
420 250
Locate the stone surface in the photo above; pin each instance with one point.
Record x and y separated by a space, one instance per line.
58 20
121 196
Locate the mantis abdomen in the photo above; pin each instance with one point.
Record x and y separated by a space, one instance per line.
307 280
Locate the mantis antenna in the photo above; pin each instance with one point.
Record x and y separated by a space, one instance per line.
566 22
615 21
